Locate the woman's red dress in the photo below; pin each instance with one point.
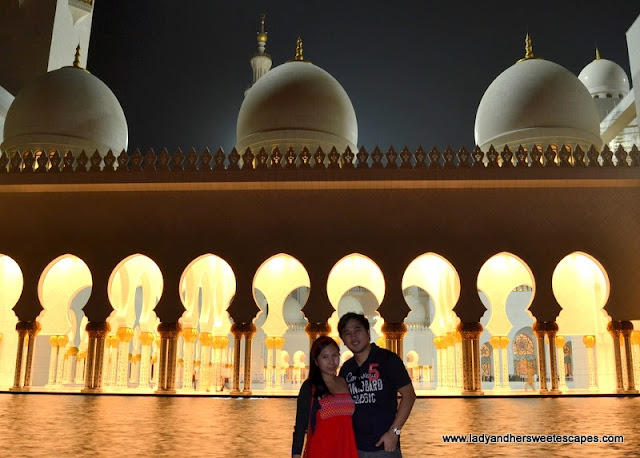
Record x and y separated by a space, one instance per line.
333 436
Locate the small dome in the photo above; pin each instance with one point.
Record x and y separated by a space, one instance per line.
536 102
66 109
602 77
296 104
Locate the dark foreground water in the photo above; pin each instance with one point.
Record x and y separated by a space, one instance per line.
57 425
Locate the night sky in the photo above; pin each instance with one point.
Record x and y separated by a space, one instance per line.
415 70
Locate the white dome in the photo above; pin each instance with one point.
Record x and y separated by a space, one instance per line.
536 102
66 109
296 104
602 77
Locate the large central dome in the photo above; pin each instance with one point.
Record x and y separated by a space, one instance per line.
537 102
296 104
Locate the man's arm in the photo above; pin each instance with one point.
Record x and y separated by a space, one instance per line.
390 438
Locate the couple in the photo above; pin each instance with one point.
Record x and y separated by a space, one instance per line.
366 389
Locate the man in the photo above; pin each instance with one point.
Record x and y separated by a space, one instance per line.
375 376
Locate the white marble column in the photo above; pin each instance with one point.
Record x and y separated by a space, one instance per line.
81 360
504 351
268 376
495 350
62 349
589 342
562 373
451 361
111 359
189 336
70 364
135 369
146 340
440 369
53 360
122 375
278 344
206 342
459 362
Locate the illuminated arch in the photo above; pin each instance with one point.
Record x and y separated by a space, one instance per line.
497 279
211 279
135 271
60 283
276 279
435 275
351 271
581 287
356 275
11 284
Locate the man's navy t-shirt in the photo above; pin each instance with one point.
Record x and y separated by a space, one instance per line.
382 375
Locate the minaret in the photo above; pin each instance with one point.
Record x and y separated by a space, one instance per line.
261 61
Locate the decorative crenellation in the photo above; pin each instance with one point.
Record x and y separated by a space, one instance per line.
537 157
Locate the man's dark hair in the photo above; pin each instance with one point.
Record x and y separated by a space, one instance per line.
352 316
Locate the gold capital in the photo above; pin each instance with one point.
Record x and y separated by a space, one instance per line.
589 341
190 334
146 338
124 334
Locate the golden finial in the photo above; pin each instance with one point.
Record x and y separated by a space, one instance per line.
597 53
528 49
299 50
262 35
76 62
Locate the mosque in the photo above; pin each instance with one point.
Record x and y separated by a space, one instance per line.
212 271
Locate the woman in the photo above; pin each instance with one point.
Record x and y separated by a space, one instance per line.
325 407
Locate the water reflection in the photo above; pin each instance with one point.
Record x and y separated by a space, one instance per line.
58 425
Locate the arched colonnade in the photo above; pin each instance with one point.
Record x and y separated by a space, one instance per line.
134 347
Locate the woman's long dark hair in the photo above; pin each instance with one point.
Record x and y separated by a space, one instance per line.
315 376
318 387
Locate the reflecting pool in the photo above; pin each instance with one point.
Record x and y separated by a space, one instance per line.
72 425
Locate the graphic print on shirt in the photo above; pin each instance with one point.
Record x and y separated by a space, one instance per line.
371 384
